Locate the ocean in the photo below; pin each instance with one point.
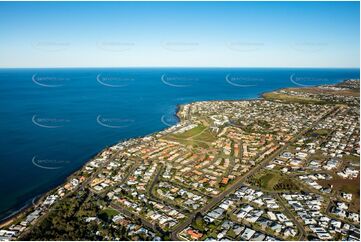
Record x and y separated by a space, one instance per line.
54 120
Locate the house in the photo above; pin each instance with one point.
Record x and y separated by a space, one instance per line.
194 234
258 236
238 229
247 234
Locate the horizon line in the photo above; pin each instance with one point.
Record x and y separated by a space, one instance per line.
195 67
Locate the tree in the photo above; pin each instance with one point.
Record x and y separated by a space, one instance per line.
198 222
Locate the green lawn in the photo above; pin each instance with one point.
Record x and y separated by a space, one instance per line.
110 212
272 96
269 180
206 136
352 158
199 136
322 131
275 181
190 133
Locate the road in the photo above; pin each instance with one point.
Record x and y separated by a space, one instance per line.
302 232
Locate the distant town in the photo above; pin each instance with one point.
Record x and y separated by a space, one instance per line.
282 167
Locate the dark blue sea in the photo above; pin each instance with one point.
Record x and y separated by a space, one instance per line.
54 120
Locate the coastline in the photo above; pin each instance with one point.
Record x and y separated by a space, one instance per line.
27 207
30 205
35 201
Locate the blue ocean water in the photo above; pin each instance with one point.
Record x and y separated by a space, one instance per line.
54 120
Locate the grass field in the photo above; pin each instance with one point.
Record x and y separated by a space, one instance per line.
274 181
352 159
269 180
315 90
272 96
322 132
109 212
188 134
199 136
318 156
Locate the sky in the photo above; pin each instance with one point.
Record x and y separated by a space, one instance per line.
179 34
